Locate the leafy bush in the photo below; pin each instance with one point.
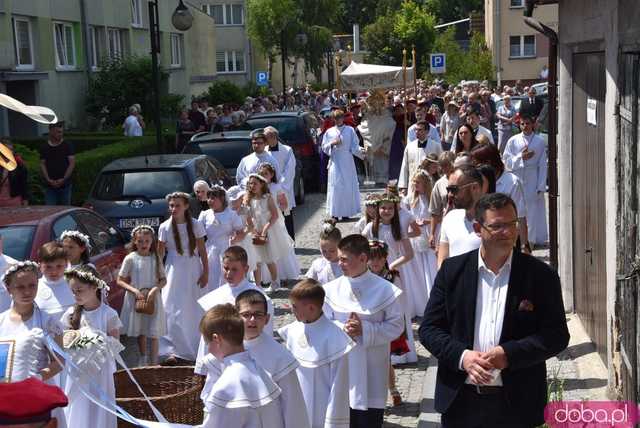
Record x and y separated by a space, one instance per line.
80 143
122 82
223 91
31 159
251 89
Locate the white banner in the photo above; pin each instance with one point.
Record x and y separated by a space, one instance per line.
359 77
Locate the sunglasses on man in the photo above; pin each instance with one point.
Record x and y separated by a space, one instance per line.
453 189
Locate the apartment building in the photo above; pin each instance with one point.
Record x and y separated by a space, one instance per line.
518 51
49 48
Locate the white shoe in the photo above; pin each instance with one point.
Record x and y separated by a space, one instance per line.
273 287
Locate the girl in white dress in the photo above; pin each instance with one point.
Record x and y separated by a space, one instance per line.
223 228
368 214
391 228
417 203
236 197
77 246
288 266
270 237
26 326
181 238
142 271
326 268
90 311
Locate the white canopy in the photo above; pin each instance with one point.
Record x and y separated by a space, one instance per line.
359 77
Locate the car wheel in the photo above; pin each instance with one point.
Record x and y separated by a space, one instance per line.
300 193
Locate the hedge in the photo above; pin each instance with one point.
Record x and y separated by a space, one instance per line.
88 164
81 143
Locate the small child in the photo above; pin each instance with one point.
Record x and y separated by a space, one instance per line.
143 271
326 268
244 395
54 294
369 214
235 268
77 246
236 197
272 356
90 311
270 237
368 308
320 346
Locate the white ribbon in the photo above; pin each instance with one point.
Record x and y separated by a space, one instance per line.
39 114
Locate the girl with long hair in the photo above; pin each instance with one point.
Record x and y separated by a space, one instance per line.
181 238
142 276
326 268
466 140
77 247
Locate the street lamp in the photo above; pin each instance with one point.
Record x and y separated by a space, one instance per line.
182 20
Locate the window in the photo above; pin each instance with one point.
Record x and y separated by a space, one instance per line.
65 46
522 46
176 50
17 241
95 42
230 61
517 3
136 13
66 222
225 14
23 45
103 236
115 42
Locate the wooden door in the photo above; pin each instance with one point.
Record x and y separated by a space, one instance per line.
588 148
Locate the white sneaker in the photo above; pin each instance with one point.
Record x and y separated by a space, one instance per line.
273 287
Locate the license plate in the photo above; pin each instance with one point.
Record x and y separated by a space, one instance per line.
130 223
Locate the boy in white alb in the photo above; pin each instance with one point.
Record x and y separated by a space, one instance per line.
321 348
244 396
235 268
54 295
367 306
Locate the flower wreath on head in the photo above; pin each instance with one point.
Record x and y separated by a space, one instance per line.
77 236
259 177
87 277
19 267
388 197
143 228
375 244
176 195
372 199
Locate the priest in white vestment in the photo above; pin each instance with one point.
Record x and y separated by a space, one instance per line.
341 144
414 153
377 130
525 155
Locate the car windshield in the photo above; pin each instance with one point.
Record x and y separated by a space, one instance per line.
16 241
153 184
287 126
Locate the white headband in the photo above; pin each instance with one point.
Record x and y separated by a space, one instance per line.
141 228
259 177
86 277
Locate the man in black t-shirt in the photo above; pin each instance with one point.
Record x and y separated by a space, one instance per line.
57 162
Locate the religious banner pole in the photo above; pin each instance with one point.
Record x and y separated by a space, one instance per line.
337 59
415 71
404 84
348 64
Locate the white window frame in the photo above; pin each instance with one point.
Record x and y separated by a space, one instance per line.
521 55
227 21
31 64
231 56
72 61
136 13
515 6
94 44
176 52
119 48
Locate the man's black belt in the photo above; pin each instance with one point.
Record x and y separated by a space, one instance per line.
484 390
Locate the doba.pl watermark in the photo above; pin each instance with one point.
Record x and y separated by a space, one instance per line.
573 414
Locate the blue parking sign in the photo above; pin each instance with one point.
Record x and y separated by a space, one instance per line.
262 78
438 63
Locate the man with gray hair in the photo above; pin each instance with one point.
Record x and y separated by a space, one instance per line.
287 162
131 124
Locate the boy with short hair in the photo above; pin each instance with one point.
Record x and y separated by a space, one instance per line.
272 356
54 294
367 306
244 396
235 268
321 348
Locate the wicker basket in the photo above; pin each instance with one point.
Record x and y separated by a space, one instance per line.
175 391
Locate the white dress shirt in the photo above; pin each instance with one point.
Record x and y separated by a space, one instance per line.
490 303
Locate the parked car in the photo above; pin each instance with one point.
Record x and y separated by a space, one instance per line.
131 191
298 130
229 148
25 229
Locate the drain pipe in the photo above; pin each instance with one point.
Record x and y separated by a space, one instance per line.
552 91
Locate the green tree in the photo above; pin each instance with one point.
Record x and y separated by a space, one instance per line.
452 10
122 82
409 25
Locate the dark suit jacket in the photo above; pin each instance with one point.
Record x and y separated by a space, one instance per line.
529 109
529 337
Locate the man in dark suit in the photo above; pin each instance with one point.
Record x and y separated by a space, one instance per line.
532 105
493 318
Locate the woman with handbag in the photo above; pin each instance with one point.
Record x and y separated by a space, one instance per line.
142 275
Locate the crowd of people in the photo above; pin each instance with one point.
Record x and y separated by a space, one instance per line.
447 240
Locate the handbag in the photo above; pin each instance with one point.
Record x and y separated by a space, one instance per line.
145 305
259 240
